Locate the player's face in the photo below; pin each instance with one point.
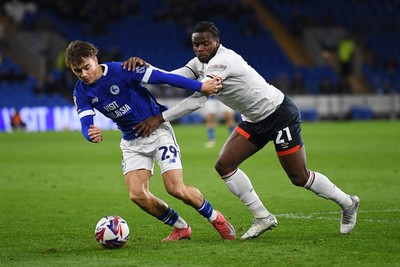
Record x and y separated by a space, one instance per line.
205 46
88 71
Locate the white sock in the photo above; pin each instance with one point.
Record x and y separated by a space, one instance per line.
323 187
240 185
180 223
213 216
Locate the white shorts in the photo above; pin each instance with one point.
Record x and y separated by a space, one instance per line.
214 106
161 145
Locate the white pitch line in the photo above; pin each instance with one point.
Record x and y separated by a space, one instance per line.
314 216
360 211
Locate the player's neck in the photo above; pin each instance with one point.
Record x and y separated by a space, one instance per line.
99 72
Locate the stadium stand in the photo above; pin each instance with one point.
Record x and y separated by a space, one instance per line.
375 26
154 29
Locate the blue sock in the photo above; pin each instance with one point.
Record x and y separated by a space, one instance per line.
169 217
211 134
206 209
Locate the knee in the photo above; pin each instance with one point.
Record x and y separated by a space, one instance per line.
223 167
176 192
298 179
140 198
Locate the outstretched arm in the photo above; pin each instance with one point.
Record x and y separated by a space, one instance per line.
207 87
157 76
186 106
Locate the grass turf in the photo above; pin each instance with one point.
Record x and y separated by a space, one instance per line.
56 186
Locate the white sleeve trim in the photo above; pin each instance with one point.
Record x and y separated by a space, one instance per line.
146 76
86 113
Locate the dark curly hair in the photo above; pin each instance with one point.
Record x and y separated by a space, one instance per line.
206 26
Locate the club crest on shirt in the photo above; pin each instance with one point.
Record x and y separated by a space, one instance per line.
114 89
140 69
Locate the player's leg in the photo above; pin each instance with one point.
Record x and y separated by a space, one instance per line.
209 110
237 149
230 121
137 182
190 195
292 156
168 158
295 167
210 124
229 116
138 165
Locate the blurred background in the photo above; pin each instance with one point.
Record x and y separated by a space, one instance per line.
338 59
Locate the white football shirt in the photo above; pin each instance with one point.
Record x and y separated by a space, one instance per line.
244 90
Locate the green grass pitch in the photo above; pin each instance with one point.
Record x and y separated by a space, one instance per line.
55 186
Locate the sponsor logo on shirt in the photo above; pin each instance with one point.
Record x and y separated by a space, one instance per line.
113 110
217 67
114 89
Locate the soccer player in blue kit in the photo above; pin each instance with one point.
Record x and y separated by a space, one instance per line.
120 95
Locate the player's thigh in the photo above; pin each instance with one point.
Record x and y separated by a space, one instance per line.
137 182
235 150
295 167
173 180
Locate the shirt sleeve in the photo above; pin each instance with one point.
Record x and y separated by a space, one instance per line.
187 72
185 107
155 76
85 111
86 121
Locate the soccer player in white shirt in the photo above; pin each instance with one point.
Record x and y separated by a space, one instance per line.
121 96
268 115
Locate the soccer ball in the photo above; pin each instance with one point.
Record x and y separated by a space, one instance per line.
112 232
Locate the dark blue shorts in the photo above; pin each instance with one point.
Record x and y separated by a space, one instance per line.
282 127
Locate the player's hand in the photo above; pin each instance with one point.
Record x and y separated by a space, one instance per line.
95 134
149 125
212 86
134 62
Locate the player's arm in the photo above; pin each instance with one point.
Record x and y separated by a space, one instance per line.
86 114
209 87
153 75
186 106
90 132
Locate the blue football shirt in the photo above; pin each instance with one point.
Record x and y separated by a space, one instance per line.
120 95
